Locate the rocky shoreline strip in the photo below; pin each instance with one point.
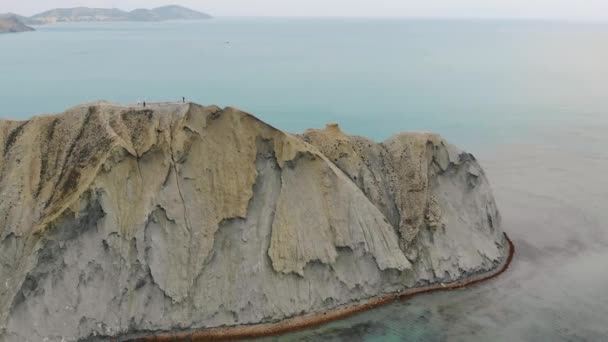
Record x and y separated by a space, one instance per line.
315 319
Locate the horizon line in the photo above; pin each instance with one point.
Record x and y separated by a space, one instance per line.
333 16
605 20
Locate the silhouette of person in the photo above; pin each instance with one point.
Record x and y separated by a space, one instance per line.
144 104
183 99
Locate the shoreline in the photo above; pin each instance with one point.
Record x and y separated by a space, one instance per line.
315 319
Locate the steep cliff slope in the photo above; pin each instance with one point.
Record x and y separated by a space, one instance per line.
117 220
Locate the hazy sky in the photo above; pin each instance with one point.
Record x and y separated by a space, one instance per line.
553 9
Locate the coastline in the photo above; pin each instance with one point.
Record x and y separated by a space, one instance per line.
314 319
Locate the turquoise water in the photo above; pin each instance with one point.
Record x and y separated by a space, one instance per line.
530 99
469 80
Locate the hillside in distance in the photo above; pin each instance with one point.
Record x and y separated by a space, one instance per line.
83 14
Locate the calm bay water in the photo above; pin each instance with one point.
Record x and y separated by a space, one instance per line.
530 99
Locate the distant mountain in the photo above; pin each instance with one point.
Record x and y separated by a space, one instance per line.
16 16
80 14
114 14
10 23
171 12
23 19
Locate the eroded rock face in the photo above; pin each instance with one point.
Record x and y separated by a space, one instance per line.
116 220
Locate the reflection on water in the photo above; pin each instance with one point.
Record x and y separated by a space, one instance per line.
552 189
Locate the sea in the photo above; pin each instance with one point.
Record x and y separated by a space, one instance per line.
528 98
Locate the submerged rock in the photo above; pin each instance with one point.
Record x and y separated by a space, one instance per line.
117 220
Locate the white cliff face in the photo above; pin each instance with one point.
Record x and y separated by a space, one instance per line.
435 196
118 220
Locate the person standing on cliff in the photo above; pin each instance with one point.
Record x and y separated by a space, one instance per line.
183 99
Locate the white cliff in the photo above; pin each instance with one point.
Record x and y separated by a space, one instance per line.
120 220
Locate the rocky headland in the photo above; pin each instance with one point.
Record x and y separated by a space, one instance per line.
125 222
12 24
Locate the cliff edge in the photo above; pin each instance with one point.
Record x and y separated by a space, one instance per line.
118 220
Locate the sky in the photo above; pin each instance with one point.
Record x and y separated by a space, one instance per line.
545 9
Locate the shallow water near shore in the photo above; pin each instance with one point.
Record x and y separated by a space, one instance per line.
527 98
